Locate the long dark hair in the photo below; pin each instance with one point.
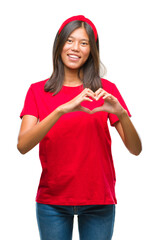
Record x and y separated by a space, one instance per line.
91 67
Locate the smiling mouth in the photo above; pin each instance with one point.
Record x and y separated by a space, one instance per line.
73 56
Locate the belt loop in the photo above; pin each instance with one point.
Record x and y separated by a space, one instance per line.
75 208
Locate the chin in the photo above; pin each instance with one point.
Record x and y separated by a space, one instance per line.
73 67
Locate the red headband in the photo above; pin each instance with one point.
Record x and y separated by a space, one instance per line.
80 18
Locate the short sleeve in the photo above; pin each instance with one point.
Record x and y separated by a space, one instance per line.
112 117
30 106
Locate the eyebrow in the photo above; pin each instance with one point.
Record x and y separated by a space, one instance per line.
83 39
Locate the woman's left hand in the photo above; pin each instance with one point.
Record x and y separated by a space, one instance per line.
125 127
111 103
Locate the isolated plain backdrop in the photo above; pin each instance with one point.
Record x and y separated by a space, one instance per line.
128 34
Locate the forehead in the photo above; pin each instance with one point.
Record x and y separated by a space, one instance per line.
79 33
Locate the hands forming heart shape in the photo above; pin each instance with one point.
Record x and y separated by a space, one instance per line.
111 103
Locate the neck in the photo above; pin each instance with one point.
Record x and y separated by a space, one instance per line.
71 77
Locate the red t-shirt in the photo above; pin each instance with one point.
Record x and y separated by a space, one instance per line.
76 158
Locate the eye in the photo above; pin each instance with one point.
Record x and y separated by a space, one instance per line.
69 40
84 43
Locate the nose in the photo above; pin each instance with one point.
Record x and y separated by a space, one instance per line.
75 46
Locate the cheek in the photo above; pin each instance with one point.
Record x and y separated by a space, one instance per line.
86 53
65 49
63 53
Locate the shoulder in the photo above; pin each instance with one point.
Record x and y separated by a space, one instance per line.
37 88
108 85
39 85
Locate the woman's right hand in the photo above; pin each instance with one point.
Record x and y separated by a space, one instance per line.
75 103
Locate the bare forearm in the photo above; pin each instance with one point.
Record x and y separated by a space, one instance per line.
33 136
131 138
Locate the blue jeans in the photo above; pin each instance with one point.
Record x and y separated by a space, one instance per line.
95 222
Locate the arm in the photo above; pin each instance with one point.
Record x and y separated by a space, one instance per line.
32 132
128 133
124 126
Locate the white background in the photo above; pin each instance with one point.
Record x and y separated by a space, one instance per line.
129 40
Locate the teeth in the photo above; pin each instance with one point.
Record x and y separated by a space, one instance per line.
73 56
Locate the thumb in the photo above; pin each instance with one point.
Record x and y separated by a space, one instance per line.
83 109
97 109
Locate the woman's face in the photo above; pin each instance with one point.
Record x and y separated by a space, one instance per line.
76 49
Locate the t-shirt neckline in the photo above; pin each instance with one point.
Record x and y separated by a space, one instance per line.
72 86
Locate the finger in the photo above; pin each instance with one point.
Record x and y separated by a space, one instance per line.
83 109
89 90
103 93
90 93
87 99
98 91
107 96
99 96
98 109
